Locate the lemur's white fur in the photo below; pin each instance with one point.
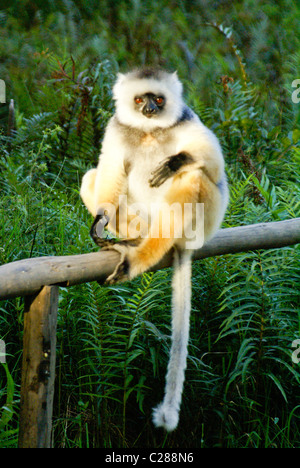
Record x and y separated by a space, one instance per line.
134 150
167 413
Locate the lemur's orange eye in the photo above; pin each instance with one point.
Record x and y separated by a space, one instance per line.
159 100
138 100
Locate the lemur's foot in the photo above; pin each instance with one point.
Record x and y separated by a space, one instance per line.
110 244
129 266
121 272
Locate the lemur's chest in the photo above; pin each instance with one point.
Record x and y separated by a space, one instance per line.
148 140
145 150
151 150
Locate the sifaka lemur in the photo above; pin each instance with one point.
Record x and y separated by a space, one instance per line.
157 160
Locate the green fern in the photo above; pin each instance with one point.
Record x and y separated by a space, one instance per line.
262 326
115 338
59 63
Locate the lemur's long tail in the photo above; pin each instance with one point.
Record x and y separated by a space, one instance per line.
167 413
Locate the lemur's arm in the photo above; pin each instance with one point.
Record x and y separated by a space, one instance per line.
201 151
101 187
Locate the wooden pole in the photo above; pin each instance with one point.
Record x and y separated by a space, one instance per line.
26 277
38 369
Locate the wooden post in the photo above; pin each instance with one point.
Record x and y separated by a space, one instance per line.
38 368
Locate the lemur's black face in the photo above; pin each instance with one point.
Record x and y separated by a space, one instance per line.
149 104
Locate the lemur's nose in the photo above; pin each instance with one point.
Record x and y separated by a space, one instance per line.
150 109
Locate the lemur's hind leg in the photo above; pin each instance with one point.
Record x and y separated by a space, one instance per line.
165 230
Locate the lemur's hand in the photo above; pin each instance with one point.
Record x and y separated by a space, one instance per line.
96 232
168 167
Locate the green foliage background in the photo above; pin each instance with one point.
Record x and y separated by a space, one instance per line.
59 60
